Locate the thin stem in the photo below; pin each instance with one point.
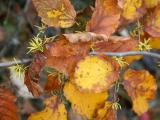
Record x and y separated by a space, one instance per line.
130 53
12 63
119 54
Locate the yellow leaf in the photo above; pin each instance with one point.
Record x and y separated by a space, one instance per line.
141 87
151 3
130 59
154 42
84 103
94 74
54 110
57 13
130 8
106 113
140 105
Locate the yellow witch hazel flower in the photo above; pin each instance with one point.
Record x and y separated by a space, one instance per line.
56 13
116 106
120 60
145 46
19 69
41 28
36 44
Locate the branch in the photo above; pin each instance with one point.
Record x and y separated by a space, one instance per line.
130 53
12 63
119 54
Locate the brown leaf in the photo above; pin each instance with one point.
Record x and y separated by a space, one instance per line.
32 86
8 110
63 55
53 83
105 18
57 13
116 44
152 26
141 87
32 75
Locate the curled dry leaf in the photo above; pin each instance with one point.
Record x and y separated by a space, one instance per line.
152 26
57 13
54 110
32 75
132 9
8 109
84 103
95 74
116 44
141 87
105 18
106 113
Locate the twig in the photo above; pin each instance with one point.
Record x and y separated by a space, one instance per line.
119 54
11 63
131 53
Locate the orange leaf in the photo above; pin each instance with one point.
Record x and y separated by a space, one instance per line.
141 87
105 18
57 13
152 26
8 110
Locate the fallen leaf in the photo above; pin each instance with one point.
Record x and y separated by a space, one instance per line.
8 109
57 13
152 26
105 18
141 87
95 74
84 103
